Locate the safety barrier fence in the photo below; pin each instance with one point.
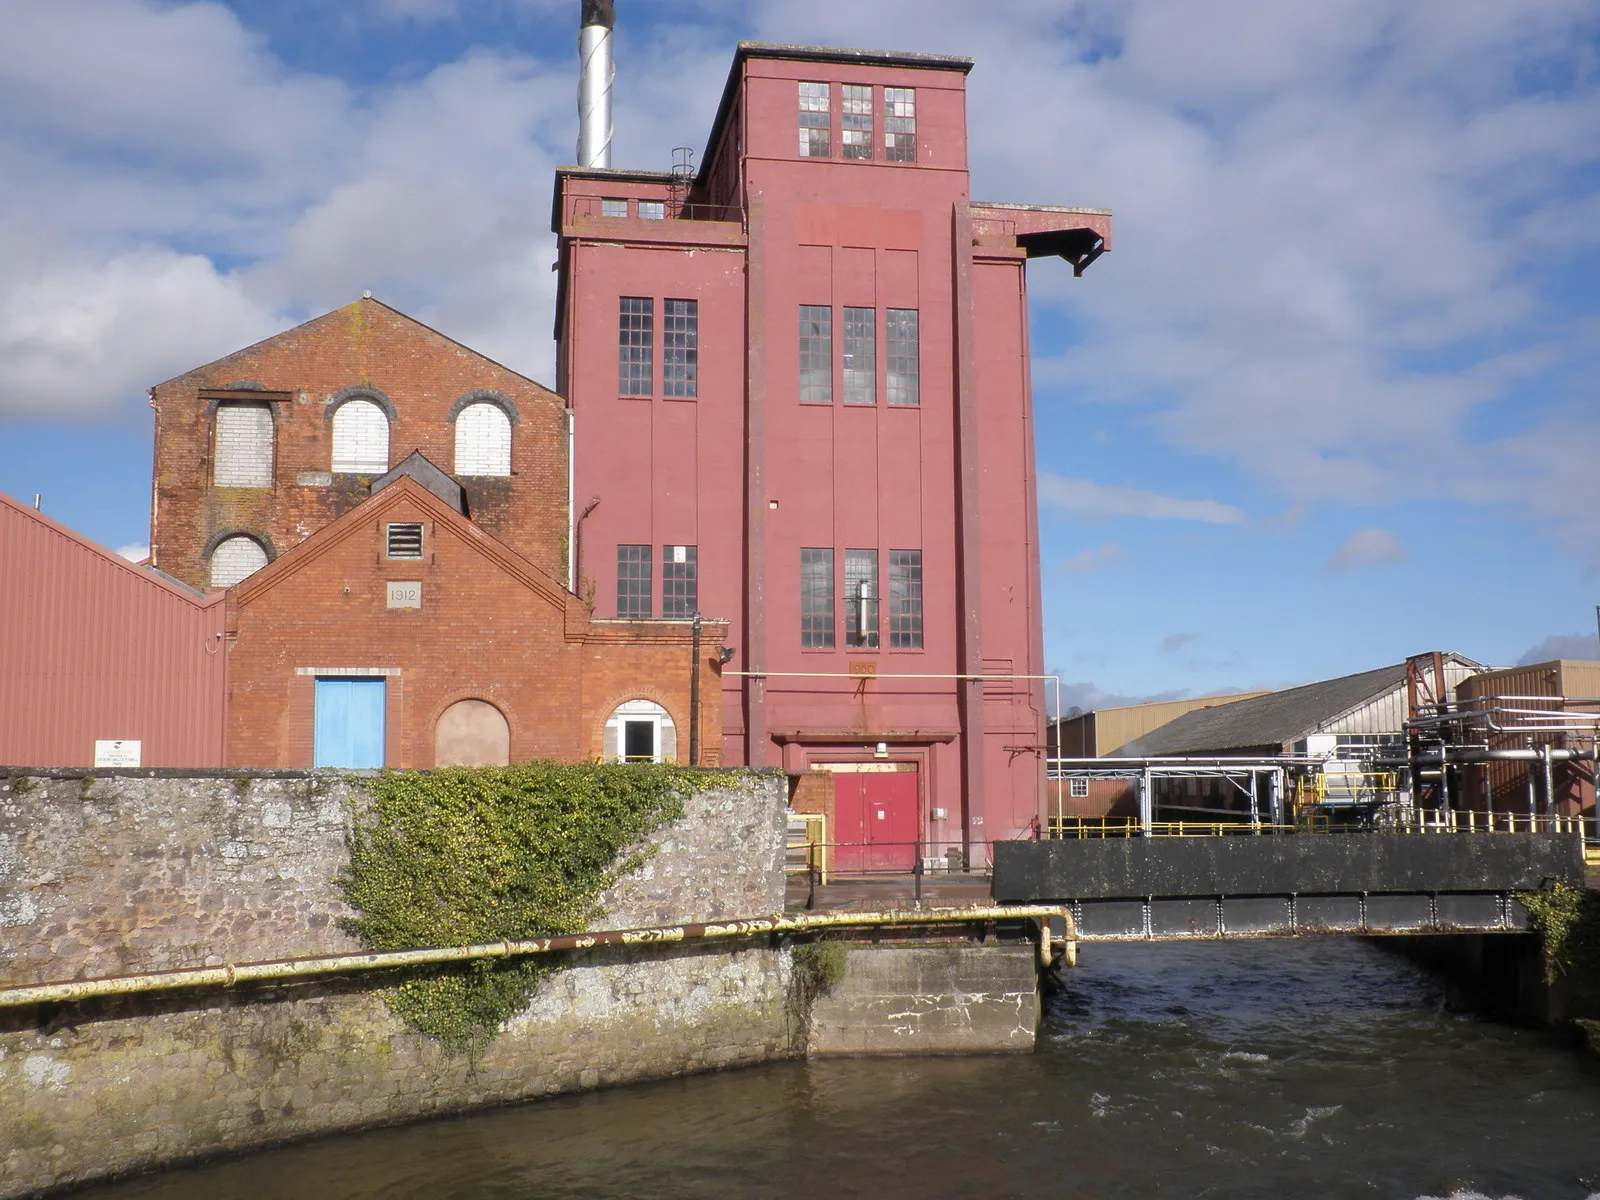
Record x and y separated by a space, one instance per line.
1415 821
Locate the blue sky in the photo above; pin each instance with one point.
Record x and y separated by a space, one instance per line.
1331 399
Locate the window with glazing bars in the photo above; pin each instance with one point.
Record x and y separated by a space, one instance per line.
899 124
861 598
680 347
814 131
1079 788
653 210
905 599
816 354
855 122
900 337
816 599
613 207
633 581
680 584
860 356
636 345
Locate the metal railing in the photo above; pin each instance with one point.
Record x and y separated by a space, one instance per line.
670 210
1413 821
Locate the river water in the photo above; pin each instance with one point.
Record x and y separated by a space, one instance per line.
1319 1068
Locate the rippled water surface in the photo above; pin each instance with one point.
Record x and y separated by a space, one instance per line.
1266 1069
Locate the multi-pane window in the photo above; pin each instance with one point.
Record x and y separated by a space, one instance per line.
680 584
816 599
861 598
900 124
900 337
653 210
905 599
680 347
816 354
860 356
244 446
1080 788
613 208
855 121
814 131
636 337
633 581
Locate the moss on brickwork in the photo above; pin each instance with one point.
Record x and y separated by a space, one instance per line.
468 855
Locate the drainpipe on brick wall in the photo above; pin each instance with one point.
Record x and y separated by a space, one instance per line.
694 694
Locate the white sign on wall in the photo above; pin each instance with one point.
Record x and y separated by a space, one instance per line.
405 593
119 753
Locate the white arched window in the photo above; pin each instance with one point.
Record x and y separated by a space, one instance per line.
244 446
483 440
640 731
234 559
360 439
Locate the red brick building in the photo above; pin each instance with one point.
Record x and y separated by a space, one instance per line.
801 397
388 511
471 652
257 451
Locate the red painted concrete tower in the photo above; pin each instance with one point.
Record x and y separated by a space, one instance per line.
800 394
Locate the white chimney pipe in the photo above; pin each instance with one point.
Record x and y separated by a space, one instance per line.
594 83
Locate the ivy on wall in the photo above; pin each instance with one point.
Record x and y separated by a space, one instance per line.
467 855
1567 920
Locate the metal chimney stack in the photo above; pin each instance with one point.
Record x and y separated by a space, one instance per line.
594 84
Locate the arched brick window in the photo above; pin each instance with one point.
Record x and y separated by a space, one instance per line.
640 731
483 440
243 452
471 733
236 558
360 439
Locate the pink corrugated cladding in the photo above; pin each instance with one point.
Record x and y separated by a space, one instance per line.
93 648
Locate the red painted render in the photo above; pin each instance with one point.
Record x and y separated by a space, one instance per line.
95 648
751 476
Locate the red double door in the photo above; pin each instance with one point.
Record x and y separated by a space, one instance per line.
875 820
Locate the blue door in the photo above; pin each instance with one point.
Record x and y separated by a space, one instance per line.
349 723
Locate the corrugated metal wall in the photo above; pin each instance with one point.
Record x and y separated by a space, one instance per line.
94 648
1387 713
1509 781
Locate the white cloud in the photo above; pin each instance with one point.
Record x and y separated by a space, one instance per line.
1097 559
1091 501
80 336
135 552
1367 548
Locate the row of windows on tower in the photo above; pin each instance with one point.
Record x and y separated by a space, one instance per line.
245 437
857 114
680 351
862 616
680 595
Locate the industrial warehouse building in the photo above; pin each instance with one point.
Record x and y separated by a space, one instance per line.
792 394
800 385
378 611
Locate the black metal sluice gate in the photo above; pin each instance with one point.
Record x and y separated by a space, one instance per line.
1356 883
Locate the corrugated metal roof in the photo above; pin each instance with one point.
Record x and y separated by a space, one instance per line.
1276 719
95 648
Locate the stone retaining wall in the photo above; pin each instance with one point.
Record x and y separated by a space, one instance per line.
136 871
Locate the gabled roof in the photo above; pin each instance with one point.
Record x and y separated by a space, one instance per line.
418 466
359 520
1275 719
341 311
53 530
